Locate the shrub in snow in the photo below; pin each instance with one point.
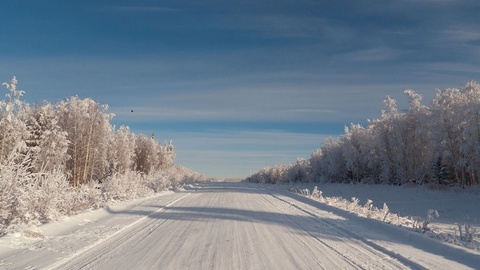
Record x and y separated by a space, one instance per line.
305 191
158 181
432 214
467 233
354 203
126 186
15 184
386 212
316 193
48 195
29 198
420 224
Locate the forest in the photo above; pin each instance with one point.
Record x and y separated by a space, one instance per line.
435 144
60 159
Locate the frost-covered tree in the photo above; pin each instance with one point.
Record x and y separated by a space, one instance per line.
334 165
448 116
166 156
441 173
418 139
385 132
150 155
146 153
356 152
47 142
89 134
315 161
124 149
13 112
470 145
298 171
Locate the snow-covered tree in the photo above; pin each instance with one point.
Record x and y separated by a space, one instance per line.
166 155
315 161
470 145
298 171
333 164
124 148
356 152
448 116
385 132
146 153
89 133
13 111
419 142
47 142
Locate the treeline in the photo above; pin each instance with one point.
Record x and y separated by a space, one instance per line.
61 158
437 143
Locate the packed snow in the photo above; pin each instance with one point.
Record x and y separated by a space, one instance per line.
248 226
450 214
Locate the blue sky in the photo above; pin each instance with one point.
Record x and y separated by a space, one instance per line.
239 85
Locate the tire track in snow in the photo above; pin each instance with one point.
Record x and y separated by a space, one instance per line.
107 251
368 248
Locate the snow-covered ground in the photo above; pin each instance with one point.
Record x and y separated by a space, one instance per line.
241 226
454 205
447 211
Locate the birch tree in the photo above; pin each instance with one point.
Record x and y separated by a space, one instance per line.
89 134
124 149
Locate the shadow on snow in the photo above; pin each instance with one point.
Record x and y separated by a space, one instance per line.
306 223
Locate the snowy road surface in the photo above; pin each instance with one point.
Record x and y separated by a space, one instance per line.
228 226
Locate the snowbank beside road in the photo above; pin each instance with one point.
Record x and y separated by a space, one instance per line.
451 214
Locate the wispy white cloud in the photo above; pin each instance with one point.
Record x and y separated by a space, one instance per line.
454 68
463 33
283 25
138 8
145 8
453 2
306 110
373 54
276 25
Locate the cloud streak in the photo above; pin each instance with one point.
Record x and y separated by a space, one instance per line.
143 9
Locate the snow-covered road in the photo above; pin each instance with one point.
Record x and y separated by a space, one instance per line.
229 226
